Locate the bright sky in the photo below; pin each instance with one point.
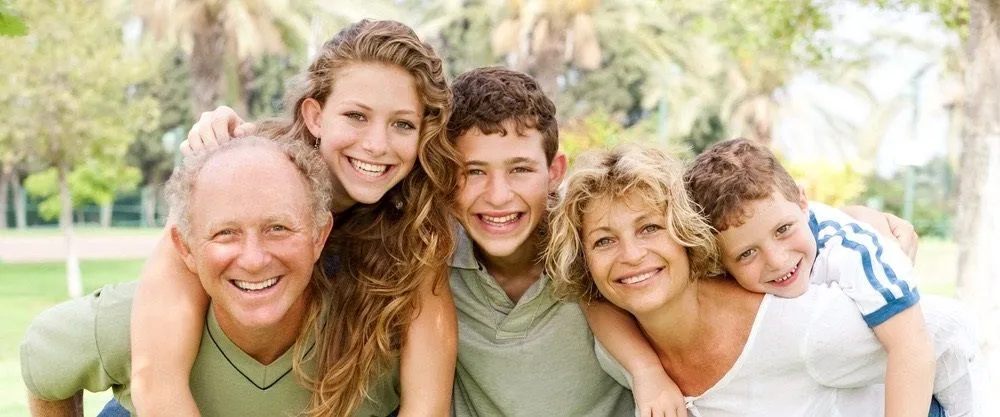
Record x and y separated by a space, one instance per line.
802 131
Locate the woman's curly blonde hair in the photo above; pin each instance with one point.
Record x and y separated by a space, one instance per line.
616 174
380 252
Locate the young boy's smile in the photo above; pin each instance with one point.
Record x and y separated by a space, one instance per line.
773 250
506 185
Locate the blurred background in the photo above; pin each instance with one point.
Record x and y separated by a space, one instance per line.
887 103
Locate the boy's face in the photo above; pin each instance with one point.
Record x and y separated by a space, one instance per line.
506 183
773 251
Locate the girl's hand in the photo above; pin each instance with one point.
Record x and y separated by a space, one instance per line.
213 129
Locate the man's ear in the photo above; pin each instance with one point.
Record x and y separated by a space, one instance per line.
183 249
312 114
557 170
324 232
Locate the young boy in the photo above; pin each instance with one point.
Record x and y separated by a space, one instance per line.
521 352
772 241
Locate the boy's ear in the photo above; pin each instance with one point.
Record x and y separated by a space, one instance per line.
803 201
324 232
557 170
312 114
183 249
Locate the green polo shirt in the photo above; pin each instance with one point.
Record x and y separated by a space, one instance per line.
84 344
534 357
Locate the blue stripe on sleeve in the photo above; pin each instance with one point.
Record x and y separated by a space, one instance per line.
866 258
893 308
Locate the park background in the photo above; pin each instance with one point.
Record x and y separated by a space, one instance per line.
888 103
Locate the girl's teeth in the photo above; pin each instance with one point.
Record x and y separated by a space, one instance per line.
369 169
255 286
499 221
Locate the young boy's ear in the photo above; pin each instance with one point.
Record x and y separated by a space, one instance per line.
803 201
557 170
183 249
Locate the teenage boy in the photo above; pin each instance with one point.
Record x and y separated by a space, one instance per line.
520 352
253 245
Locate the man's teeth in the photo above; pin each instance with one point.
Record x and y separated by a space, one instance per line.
369 169
788 275
637 278
255 286
502 220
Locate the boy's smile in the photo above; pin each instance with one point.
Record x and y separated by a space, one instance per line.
773 250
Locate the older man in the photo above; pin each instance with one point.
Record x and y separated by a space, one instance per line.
253 240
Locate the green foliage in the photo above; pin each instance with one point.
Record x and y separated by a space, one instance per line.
826 182
152 152
267 90
933 196
954 14
11 24
94 182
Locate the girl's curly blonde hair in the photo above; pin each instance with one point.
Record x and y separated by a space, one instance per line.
623 172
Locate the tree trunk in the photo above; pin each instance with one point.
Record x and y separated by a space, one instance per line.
20 204
977 224
6 175
74 283
106 212
148 197
207 60
547 63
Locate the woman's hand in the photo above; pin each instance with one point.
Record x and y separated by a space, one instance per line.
213 129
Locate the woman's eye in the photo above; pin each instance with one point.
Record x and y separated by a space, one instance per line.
602 242
650 228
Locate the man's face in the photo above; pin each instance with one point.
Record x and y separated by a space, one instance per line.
773 250
505 188
252 239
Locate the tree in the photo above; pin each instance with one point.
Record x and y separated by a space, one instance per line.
224 37
73 83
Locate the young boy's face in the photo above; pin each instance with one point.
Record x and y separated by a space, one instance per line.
773 251
505 188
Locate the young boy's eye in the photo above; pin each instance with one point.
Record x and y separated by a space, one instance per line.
746 254
784 228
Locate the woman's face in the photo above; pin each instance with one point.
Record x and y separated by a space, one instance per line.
369 130
632 258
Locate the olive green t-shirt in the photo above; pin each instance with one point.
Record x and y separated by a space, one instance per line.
533 357
84 344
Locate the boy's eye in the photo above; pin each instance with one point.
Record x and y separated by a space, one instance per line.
746 254
520 170
404 125
784 228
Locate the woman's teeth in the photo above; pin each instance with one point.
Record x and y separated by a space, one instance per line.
502 220
255 286
369 169
637 278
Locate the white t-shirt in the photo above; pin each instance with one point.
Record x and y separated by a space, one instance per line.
815 356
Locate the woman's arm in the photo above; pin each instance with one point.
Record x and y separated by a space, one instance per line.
655 393
168 317
427 360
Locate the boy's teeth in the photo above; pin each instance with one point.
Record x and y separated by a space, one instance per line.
255 286
369 169
788 275
637 278
499 221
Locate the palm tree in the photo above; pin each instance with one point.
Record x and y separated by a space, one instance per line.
225 34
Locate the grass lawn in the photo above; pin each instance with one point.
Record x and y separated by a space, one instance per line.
27 289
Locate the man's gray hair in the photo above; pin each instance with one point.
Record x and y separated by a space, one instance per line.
308 161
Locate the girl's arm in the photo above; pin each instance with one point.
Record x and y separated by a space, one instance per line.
168 318
655 393
427 360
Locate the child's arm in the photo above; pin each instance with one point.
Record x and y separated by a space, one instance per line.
427 359
70 407
655 393
909 372
168 317
888 225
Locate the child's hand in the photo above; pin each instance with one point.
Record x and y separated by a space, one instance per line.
656 395
213 129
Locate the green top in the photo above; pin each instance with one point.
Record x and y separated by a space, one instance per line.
534 357
84 344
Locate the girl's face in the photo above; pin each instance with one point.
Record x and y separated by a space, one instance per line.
632 258
369 128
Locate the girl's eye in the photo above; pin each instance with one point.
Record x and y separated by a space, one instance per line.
784 228
475 171
602 242
404 124
355 116
746 254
